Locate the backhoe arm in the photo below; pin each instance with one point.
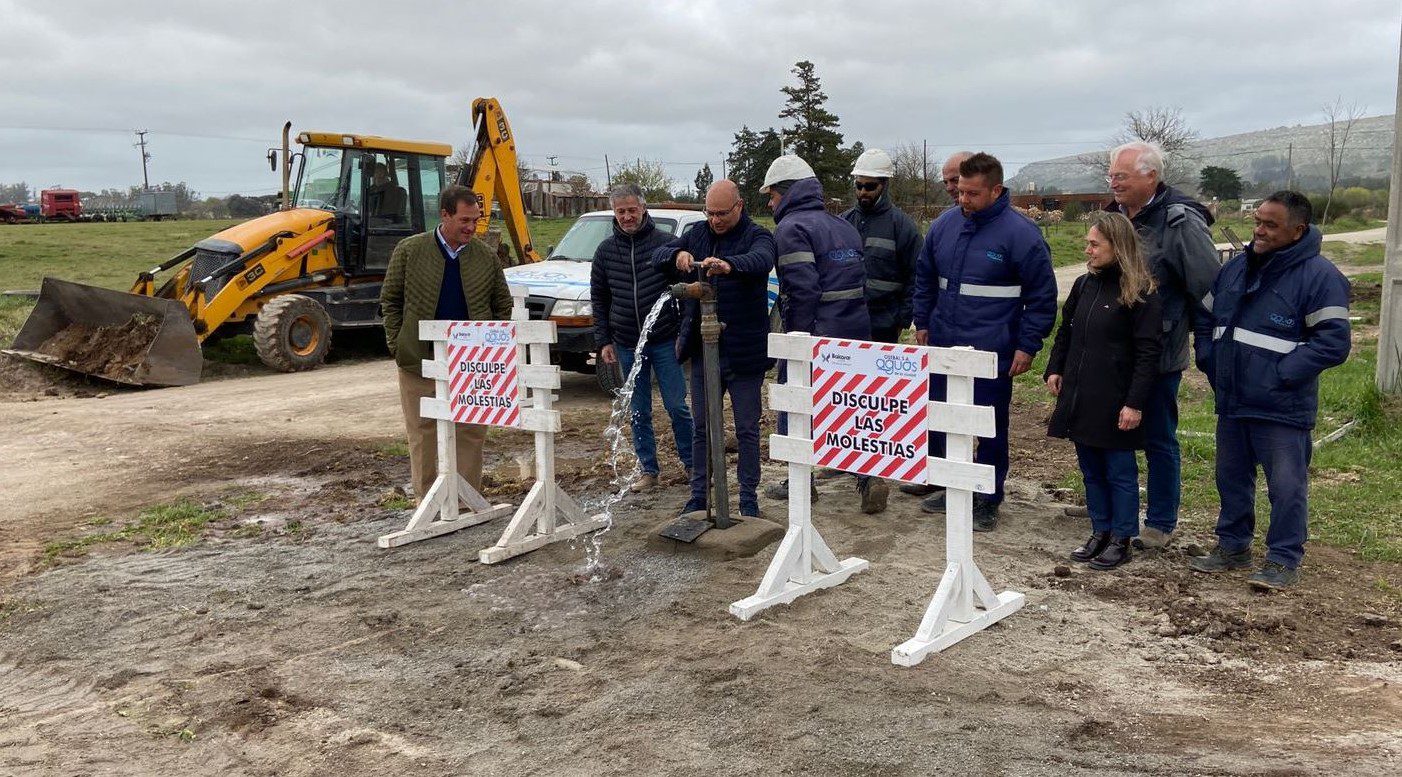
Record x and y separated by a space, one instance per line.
492 174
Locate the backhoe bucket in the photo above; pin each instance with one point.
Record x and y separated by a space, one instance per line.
113 335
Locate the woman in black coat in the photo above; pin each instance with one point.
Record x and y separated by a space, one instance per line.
1103 361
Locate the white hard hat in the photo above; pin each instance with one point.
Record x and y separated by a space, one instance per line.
789 167
874 163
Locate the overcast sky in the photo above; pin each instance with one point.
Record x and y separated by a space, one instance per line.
672 81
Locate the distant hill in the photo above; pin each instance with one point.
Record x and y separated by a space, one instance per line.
1260 158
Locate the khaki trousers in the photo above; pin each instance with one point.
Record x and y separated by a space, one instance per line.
423 438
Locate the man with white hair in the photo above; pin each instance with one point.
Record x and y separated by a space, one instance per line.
1178 246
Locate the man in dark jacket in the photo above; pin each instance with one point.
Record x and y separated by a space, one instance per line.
890 244
1173 228
735 255
623 289
984 279
822 279
1279 318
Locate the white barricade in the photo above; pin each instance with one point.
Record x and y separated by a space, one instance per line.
882 438
516 356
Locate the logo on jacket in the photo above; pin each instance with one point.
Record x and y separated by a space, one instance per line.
1281 320
844 255
994 256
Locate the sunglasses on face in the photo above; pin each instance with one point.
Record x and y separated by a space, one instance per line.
866 187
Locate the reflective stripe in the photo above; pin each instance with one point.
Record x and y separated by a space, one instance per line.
829 296
873 283
796 257
881 242
1207 301
1324 314
975 290
1267 342
1218 332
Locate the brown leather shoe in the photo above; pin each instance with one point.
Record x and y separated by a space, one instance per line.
648 482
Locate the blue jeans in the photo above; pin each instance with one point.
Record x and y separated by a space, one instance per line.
1161 456
661 360
744 393
993 451
1283 452
1112 489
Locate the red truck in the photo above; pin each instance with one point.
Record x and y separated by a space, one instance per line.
54 205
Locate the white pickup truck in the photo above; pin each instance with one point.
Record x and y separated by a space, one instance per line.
559 286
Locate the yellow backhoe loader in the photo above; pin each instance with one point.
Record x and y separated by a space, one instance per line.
290 278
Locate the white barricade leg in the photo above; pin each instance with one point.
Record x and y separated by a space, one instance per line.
438 511
804 563
964 603
548 514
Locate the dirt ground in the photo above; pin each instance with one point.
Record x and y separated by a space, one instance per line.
287 643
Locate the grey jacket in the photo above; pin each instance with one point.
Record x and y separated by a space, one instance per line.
1174 229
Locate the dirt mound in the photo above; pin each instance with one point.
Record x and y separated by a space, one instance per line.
115 351
23 380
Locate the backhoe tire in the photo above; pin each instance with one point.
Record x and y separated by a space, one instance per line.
292 333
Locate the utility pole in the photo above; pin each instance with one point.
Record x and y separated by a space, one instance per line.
1290 167
723 173
608 174
1390 325
145 157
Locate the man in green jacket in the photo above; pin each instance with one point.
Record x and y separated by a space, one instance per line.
444 274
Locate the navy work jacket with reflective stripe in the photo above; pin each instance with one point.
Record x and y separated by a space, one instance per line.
985 280
822 277
1272 332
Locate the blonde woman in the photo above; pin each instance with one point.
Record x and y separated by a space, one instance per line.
1102 365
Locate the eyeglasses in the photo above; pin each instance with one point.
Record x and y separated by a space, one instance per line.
866 187
715 214
1117 178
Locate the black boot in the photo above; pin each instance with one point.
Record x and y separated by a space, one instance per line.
1092 548
1116 552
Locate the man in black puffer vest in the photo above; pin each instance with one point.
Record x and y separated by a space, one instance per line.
890 244
623 288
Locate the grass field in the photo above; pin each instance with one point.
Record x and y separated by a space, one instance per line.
110 255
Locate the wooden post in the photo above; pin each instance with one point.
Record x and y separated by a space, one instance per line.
954 611
1389 371
804 563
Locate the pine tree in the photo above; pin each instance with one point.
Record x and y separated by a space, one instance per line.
750 158
704 179
813 132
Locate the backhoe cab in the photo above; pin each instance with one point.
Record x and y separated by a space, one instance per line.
288 278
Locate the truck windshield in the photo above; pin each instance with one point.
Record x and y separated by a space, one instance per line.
583 239
320 178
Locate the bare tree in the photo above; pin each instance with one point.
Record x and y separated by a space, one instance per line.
1163 126
913 165
1341 119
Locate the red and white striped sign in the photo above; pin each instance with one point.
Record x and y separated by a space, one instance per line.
482 377
869 407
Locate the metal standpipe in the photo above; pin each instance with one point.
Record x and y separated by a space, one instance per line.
718 492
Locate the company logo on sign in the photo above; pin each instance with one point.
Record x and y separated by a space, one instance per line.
497 337
898 364
828 357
